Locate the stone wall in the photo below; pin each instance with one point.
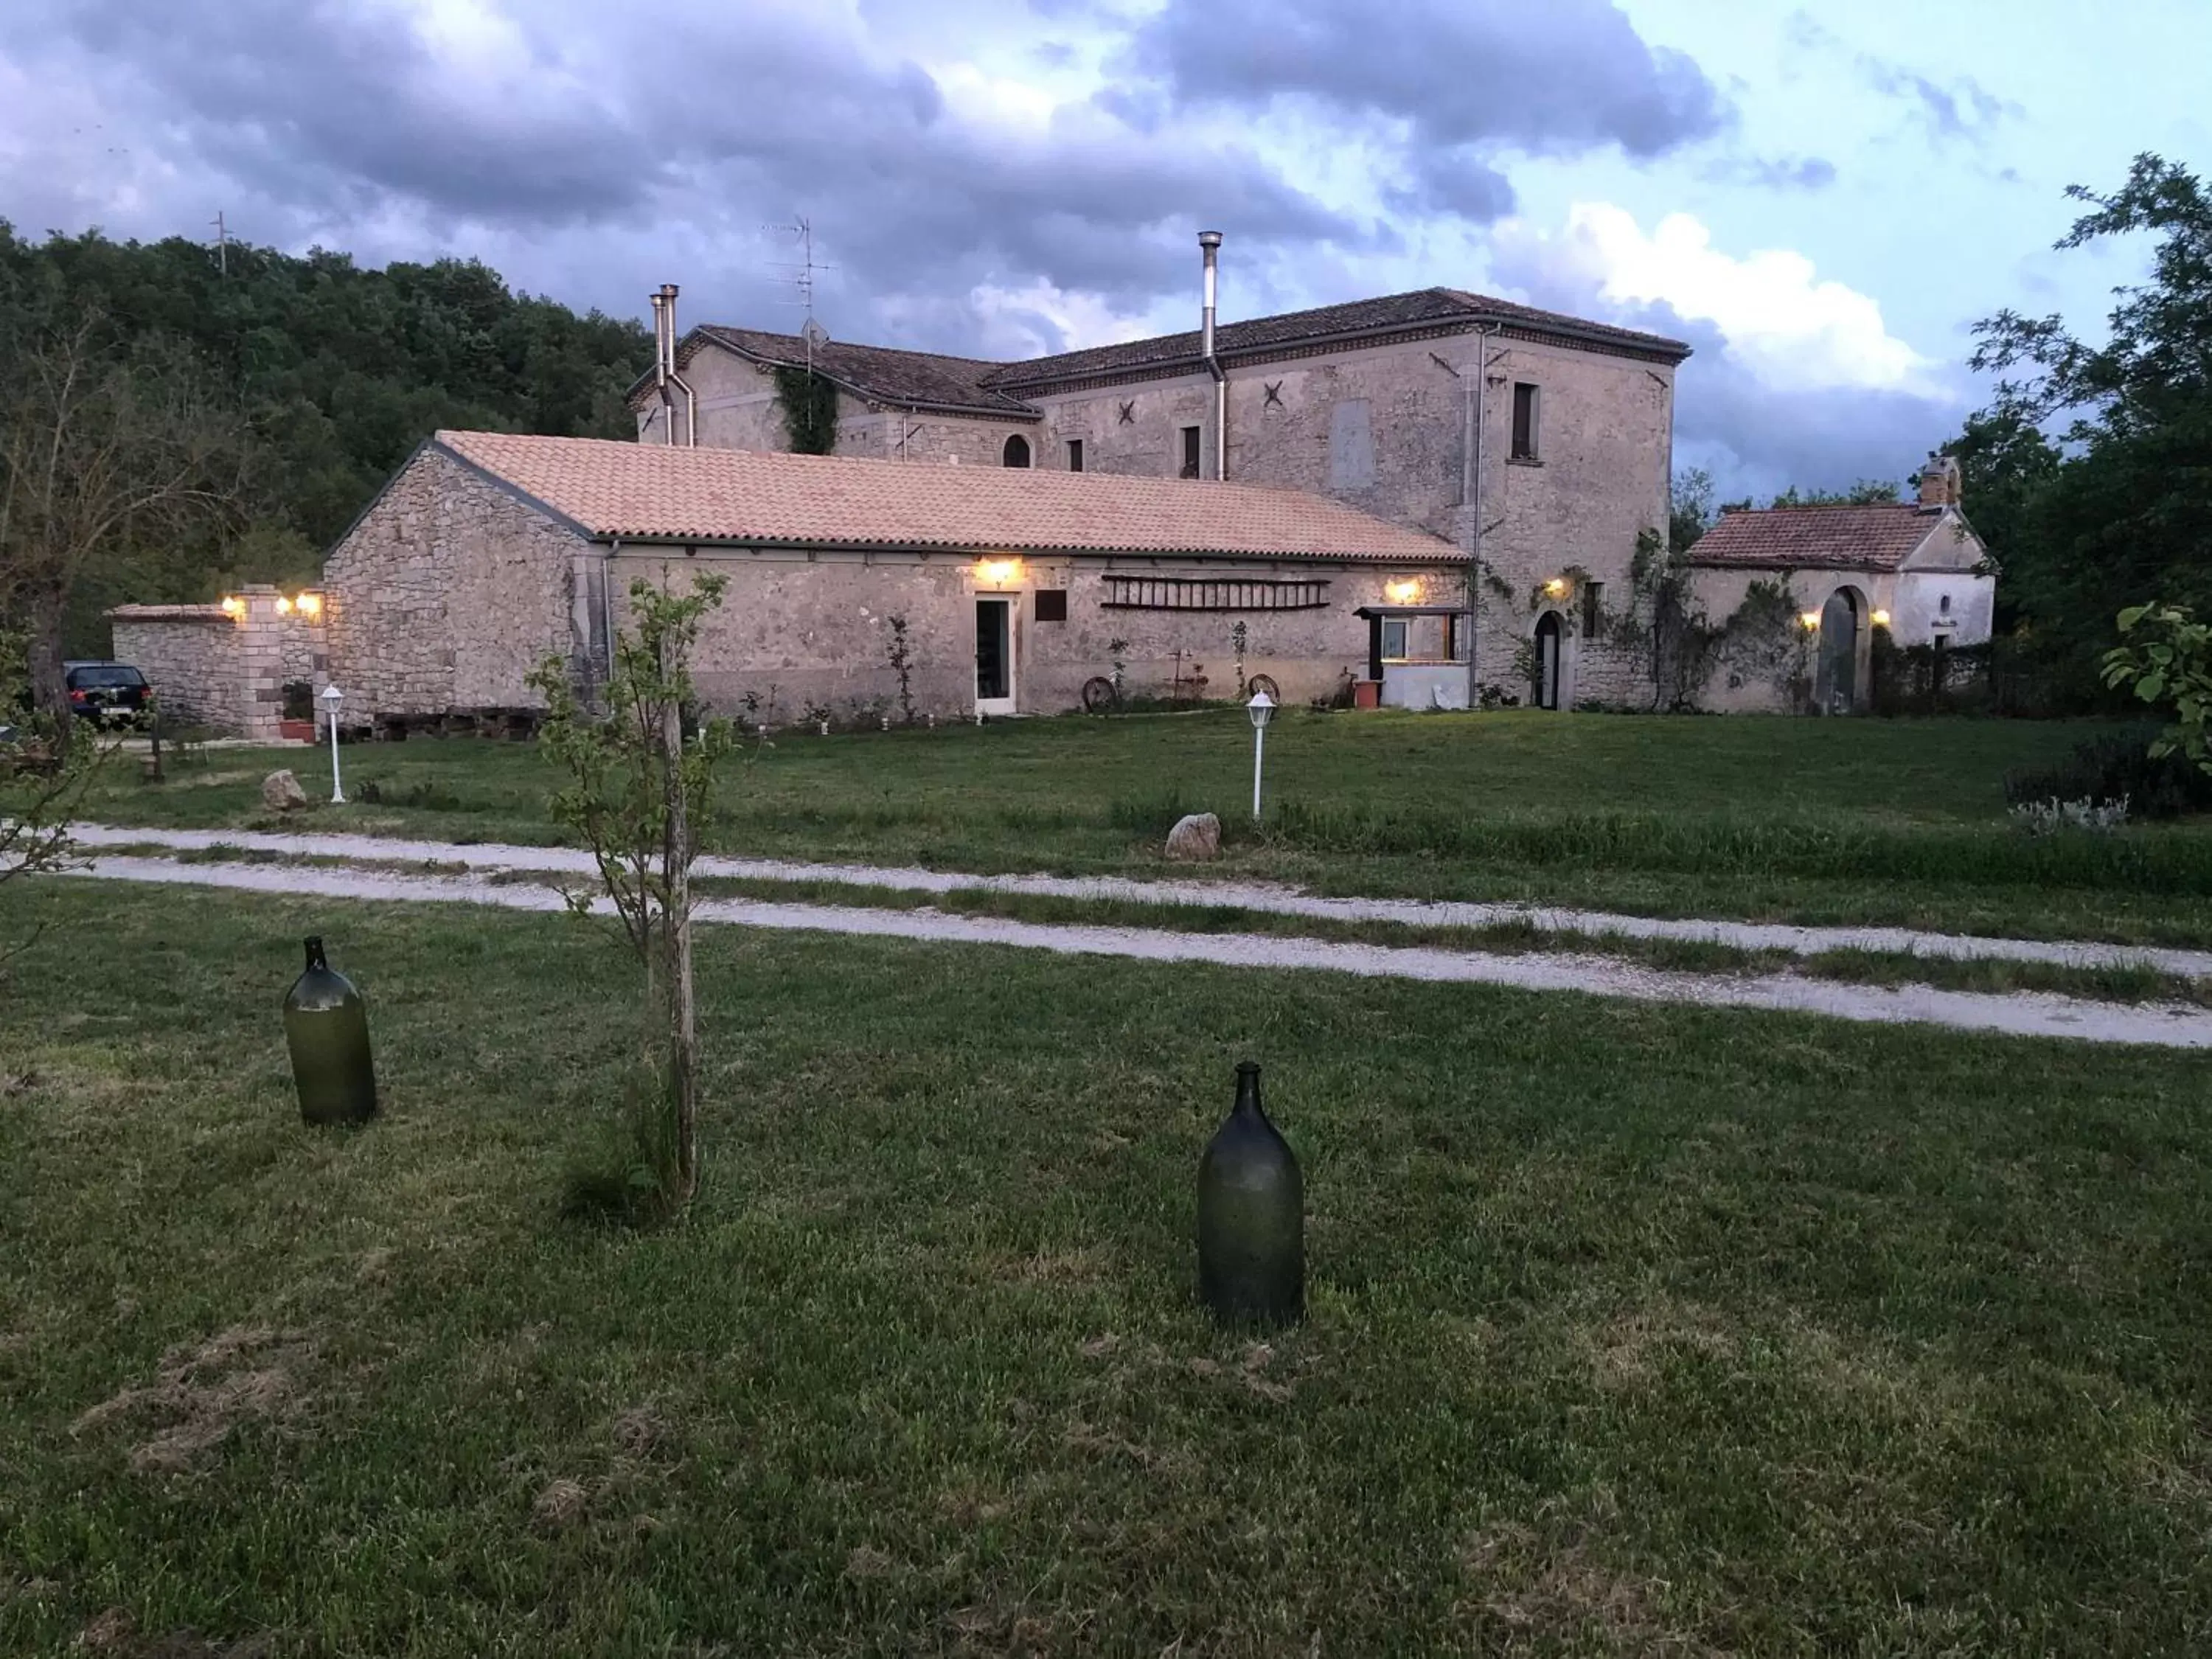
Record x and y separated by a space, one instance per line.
815 632
225 669
738 408
189 653
446 594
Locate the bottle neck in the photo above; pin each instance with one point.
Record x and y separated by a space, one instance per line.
315 956
1248 1090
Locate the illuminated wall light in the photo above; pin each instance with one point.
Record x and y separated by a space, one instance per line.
311 605
1405 592
233 606
284 606
1881 619
998 572
1809 621
1556 587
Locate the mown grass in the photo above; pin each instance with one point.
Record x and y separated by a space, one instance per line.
1632 1329
1813 820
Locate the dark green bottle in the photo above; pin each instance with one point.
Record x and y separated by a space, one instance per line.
326 1028
1251 1218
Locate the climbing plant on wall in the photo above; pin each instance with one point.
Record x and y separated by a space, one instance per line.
810 409
1678 645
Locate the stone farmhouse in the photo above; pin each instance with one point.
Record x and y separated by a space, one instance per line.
1916 569
1539 445
1413 501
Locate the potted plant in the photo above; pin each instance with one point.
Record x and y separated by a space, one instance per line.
296 724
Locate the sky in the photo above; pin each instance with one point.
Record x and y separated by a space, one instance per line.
1820 198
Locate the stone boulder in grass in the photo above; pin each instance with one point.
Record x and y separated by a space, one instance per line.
281 793
1195 838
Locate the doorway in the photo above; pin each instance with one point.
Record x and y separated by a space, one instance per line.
995 656
1549 637
1836 684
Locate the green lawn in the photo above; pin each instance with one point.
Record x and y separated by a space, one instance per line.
1632 1330
1806 820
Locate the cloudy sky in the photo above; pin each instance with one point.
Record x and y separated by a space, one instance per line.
1822 197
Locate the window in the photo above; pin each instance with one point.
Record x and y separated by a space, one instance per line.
1017 452
1190 452
1394 638
1944 605
1524 421
1075 454
1593 608
1351 444
1052 604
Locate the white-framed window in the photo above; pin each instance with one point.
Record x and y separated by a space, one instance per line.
1394 630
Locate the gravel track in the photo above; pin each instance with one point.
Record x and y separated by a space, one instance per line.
1281 901
2021 1014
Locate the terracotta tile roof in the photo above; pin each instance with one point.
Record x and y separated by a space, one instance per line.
1426 307
972 385
650 492
1875 537
882 372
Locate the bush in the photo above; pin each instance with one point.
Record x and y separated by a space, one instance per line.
2116 769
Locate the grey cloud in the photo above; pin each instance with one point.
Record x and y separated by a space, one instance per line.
1455 181
1556 78
1963 109
1777 171
333 122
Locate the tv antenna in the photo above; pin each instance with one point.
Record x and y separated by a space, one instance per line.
221 245
801 230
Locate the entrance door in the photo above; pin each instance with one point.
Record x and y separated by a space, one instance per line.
1836 682
995 656
1547 660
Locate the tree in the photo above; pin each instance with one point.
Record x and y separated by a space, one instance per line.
1692 513
639 793
101 448
2173 665
2117 512
42 778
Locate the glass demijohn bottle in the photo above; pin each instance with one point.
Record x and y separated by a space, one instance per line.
1251 1217
326 1028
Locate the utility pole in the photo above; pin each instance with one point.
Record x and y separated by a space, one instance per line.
221 245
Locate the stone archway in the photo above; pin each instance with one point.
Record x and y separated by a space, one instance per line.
1839 679
1017 452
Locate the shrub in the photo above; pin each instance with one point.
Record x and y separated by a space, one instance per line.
2118 768
2047 817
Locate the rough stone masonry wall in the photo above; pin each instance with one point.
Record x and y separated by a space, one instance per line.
794 632
190 655
446 594
1385 428
738 408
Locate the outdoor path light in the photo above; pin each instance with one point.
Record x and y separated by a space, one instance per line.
1261 708
326 1030
331 698
1251 1217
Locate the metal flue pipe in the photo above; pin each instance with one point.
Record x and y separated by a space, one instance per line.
1209 245
664 374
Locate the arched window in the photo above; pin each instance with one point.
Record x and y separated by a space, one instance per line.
1017 451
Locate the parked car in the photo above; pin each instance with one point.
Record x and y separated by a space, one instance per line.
111 693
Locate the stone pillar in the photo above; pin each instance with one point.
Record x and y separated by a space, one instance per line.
278 645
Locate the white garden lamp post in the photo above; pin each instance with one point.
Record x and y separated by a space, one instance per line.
330 699
1261 708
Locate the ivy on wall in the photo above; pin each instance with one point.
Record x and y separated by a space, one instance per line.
1678 647
810 409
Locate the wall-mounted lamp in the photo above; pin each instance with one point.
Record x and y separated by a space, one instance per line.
1405 591
997 573
1881 619
1556 587
311 605
233 606
284 606
1809 621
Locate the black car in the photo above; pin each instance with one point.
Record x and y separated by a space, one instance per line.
113 693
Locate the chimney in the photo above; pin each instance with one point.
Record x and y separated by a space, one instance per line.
1940 480
1209 246
664 377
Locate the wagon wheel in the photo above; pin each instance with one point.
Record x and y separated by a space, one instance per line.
1260 682
1098 693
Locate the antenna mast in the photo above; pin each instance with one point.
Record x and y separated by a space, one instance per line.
802 280
221 245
